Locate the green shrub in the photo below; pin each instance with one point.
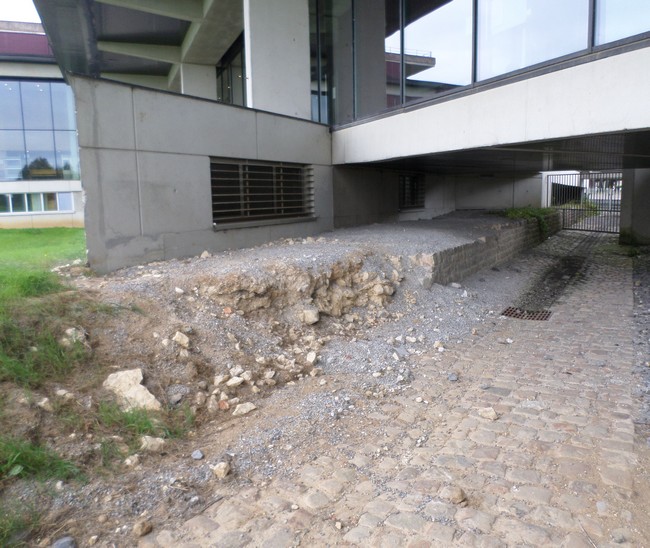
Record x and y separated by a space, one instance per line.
539 213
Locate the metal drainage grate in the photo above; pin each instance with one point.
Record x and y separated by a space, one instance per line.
519 314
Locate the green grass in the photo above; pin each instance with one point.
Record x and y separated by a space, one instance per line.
17 524
41 248
29 349
23 459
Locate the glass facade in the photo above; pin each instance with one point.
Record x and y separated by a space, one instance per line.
36 202
369 56
231 75
38 138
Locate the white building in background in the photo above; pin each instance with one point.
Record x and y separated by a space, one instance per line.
212 124
39 156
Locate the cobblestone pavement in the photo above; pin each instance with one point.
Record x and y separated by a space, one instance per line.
523 437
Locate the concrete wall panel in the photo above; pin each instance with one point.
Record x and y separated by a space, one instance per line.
174 187
184 125
106 114
300 142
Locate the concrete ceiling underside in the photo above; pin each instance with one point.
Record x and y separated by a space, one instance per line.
139 37
610 152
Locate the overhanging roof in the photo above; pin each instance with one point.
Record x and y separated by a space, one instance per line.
139 37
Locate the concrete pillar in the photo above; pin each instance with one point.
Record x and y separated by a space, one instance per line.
635 214
371 56
199 80
276 37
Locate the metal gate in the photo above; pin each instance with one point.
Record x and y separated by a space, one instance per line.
588 201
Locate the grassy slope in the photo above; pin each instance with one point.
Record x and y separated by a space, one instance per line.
41 248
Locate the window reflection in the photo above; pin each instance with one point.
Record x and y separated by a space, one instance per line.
513 34
618 19
37 152
437 47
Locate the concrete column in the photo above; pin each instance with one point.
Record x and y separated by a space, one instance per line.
199 80
635 197
276 37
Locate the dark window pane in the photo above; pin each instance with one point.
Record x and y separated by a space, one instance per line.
4 203
63 107
616 19
513 34
50 201
37 105
18 204
40 155
10 111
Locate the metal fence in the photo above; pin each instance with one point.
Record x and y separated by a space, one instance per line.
589 201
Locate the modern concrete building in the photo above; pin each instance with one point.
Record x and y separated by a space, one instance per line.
212 124
39 155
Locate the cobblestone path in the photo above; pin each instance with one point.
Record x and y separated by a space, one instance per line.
532 445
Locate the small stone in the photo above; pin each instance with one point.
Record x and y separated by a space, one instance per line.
418 399
219 379
151 444
206 254
142 528
338 525
178 291
93 540
453 494
175 399
488 413
181 339
64 542
221 469
234 381
62 393
58 485
243 409
452 377
46 405
310 315
197 455
456 285
133 460
311 358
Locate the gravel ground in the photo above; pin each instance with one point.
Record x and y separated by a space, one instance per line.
364 356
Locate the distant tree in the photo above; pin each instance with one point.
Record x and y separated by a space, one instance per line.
37 163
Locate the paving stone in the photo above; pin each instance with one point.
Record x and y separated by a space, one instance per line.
473 519
201 525
232 539
231 515
532 493
315 500
379 507
406 521
279 538
358 535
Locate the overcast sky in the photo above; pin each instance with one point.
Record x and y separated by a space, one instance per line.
18 10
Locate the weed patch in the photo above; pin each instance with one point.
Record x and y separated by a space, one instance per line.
23 459
17 524
539 213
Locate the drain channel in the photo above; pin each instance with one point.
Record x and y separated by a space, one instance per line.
520 314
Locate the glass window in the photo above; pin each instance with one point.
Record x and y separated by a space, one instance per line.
616 19
49 199
437 47
35 202
4 203
41 162
37 105
18 203
513 34
65 201
337 60
62 106
67 154
12 155
10 110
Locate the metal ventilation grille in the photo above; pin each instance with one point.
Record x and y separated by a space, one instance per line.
250 191
519 314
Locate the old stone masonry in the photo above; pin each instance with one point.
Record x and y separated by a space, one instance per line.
531 442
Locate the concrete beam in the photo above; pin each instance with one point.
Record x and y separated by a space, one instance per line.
165 54
187 10
156 82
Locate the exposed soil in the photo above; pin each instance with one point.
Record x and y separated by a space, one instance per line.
248 314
